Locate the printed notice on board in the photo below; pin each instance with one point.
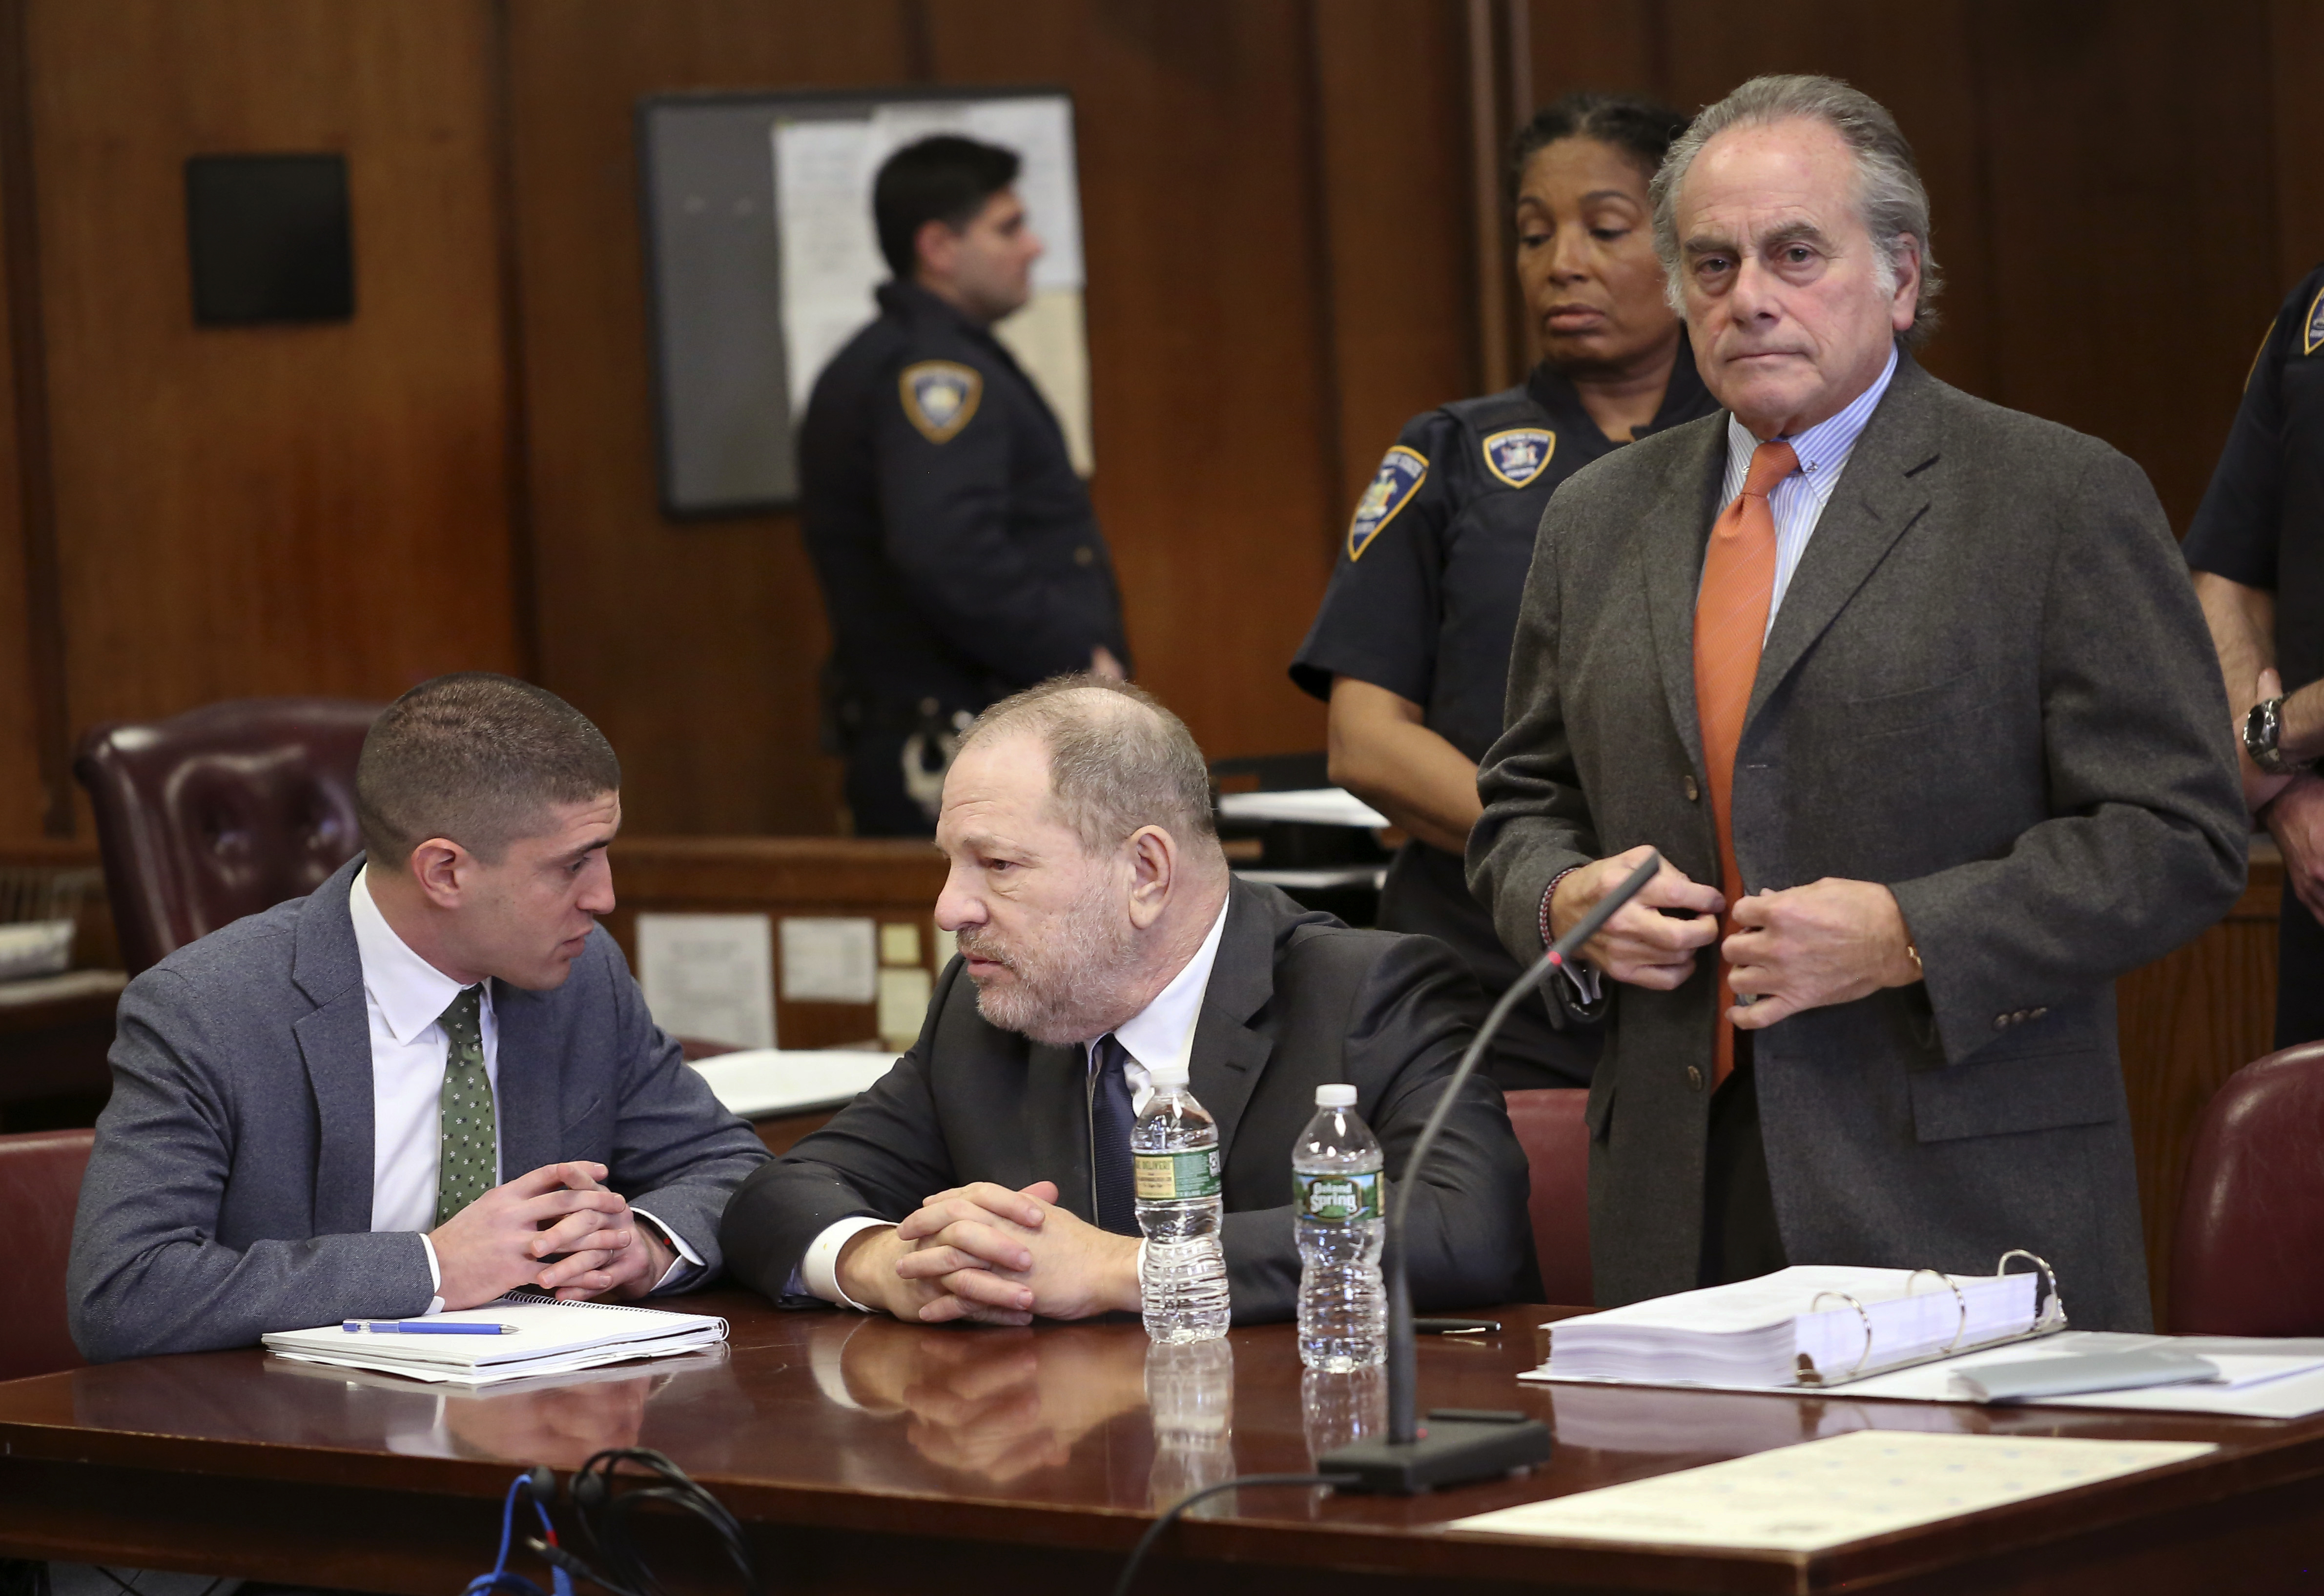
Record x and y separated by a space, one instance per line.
709 975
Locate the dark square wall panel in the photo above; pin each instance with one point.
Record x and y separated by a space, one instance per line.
269 240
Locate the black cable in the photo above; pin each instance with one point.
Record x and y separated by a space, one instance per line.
603 1515
1155 1530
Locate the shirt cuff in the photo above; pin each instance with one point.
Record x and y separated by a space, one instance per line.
818 1271
434 1275
685 1266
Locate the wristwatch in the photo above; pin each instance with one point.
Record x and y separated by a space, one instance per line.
2263 731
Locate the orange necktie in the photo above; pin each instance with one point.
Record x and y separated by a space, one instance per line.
1730 623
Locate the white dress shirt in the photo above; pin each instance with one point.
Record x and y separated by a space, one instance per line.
1799 500
404 997
1161 1032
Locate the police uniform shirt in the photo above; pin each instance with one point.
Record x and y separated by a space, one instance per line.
2261 524
1424 603
959 554
2262 520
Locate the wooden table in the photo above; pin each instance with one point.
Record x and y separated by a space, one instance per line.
870 1456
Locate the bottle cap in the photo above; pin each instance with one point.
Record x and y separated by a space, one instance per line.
1340 1096
1173 1074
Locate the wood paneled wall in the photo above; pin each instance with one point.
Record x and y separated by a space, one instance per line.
310 509
1282 239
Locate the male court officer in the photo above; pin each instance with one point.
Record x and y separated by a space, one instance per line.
959 556
988 1176
429 1081
1911 692
2257 549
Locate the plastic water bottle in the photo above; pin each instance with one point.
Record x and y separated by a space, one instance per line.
1183 1279
1335 1196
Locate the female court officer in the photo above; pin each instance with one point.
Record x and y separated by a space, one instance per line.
1411 647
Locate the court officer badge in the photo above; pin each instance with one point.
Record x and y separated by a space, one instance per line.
1517 456
940 396
1399 477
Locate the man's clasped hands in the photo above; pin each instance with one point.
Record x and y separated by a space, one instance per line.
557 1228
986 1253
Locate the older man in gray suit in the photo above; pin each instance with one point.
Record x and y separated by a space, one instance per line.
1914 697
428 1083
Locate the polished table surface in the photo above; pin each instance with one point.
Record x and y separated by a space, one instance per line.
869 1455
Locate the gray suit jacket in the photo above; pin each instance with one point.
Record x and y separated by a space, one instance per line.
1295 1000
229 1193
1989 688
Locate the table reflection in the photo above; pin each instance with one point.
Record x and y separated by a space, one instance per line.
1335 1410
1000 1404
1190 1390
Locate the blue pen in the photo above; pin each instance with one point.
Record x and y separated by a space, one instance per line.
427 1328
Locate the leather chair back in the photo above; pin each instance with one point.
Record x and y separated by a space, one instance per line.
221 812
40 1186
2250 1223
1556 1142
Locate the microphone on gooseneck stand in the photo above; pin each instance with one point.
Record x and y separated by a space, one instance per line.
1456 1445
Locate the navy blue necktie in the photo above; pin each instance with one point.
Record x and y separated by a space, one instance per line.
1110 1118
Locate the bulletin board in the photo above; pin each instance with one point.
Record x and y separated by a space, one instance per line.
762 260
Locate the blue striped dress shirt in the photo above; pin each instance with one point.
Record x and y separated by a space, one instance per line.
1797 503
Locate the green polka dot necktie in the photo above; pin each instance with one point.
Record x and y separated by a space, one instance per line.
466 1167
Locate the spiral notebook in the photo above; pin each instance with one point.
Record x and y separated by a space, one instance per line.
550 1337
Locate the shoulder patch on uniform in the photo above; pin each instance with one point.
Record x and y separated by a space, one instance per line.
1401 473
2312 335
1517 456
940 396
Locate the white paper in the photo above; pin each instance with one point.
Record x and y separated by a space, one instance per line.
1828 1493
903 1005
709 975
830 251
1315 805
830 961
761 1083
2265 1378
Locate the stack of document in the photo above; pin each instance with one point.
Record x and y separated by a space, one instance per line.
530 1336
1808 1325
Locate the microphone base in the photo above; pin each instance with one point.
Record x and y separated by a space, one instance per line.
1450 1450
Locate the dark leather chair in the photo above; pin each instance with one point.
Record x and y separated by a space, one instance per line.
221 812
1556 1142
2249 1257
40 1186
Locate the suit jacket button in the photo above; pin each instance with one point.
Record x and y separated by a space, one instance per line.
1084 556
1694 1078
1693 793
2001 1022
2039 1012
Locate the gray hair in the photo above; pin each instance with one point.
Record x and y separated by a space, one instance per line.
1118 759
1889 195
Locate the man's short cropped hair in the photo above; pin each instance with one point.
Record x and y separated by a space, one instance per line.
1118 759
944 178
1890 198
477 757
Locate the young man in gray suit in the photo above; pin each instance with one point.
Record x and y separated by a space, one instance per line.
987 1176
1913 696
428 1083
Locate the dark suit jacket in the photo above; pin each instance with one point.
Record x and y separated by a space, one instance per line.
1989 688
229 1192
1295 1000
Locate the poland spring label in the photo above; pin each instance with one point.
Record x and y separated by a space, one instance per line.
1336 1199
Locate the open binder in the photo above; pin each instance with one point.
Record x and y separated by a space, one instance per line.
1813 1327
